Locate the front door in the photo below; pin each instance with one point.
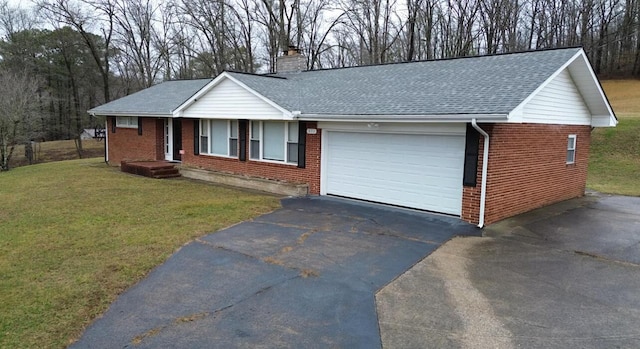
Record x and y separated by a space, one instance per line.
168 139
177 139
172 139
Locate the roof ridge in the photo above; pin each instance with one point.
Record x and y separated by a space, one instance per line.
265 75
445 59
177 80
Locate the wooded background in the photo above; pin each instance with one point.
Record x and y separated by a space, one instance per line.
83 53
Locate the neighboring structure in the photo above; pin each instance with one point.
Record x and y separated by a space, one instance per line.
92 133
482 138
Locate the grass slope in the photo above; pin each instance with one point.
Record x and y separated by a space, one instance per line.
614 164
75 234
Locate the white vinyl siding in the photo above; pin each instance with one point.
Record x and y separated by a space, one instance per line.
217 137
410 170
571 149
127 121
559 102
228 98
273 141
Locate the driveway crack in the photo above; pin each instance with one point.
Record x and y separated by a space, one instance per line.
202 315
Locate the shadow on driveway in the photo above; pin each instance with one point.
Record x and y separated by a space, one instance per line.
303 276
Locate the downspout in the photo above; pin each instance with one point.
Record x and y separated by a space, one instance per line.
106 140
485 163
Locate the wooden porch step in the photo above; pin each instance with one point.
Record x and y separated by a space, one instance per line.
165 172
152 169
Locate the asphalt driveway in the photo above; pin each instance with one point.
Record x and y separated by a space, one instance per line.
303 276
566 276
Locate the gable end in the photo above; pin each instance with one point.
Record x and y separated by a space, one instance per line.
227 99
559 102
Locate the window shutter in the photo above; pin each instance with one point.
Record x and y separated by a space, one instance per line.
471 153
196 136
113 124
302 143
139 126
242 139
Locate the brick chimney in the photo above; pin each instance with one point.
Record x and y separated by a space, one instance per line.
291 61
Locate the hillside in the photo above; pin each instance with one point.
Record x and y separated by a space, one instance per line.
614 165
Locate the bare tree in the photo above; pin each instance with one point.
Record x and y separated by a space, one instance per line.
19 106
15 19
136 35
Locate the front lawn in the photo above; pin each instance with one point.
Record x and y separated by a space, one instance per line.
75 234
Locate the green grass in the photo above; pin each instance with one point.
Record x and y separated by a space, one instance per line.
75 234
614 164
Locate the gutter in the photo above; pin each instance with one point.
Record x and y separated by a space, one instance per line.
401 118
485 163
144 115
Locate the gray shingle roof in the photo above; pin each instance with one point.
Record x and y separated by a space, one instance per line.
161 99
475 85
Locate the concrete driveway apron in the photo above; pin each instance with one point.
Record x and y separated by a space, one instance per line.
564 276
303 276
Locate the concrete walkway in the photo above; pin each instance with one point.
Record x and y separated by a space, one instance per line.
303 276
566 276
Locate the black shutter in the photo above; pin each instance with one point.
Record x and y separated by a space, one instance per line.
196 136
302 142
242 138
113 124
471 152
139 126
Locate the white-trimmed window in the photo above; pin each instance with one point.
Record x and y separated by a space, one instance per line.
219 137
571 149
127 121
274 141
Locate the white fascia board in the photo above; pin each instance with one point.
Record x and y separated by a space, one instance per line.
285 117
142 115
178 112
442 118
603 121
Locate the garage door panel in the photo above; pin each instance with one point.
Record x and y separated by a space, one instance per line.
421 171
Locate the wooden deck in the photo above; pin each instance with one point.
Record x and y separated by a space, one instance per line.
153 169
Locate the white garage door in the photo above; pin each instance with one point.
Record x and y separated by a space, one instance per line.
418 171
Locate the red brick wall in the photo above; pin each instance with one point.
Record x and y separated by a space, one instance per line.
126 144
527 169
310 174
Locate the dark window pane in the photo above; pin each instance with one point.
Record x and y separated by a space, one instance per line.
571 156
233 147
204 144
255 149
292 153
